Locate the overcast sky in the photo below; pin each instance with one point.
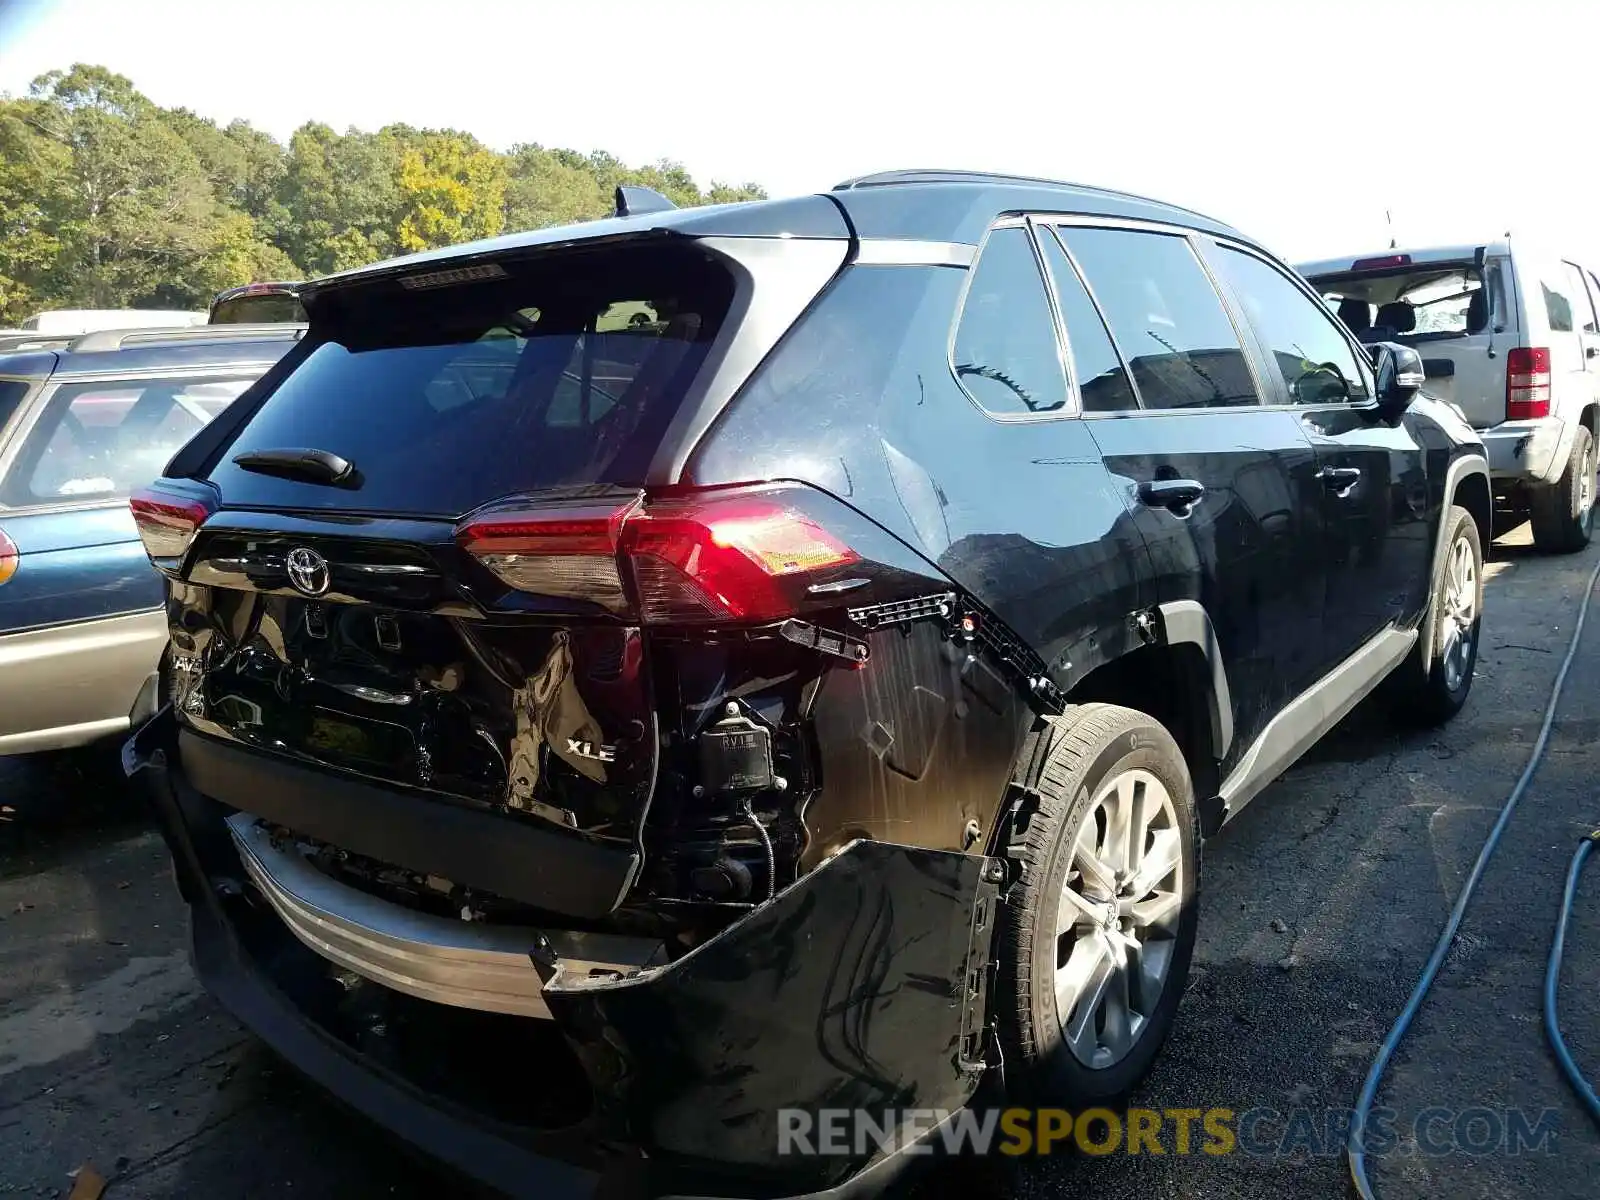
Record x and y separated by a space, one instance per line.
1300 122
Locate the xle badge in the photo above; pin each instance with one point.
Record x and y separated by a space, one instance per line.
594 751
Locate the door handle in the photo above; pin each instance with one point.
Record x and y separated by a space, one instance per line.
1591 351
1341 481
1177 496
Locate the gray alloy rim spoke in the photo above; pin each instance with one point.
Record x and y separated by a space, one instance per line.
1117 919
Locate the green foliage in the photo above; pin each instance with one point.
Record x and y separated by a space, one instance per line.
108 200
452 189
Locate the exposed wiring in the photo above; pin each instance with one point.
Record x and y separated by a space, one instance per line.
1552 977
1355 1149
766 844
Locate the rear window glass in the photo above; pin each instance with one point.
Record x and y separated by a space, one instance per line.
560 373
249 310
1440 300
96 441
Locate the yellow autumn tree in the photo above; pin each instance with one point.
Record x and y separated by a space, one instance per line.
452 189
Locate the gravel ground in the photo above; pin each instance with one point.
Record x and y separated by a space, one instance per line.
1320 905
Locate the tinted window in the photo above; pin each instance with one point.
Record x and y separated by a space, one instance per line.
12 392
96 441
565 372
1005 353
1317 364
1102 379
1166 317
267 308
1557 305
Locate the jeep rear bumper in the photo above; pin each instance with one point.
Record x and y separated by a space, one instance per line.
1527 451
861 987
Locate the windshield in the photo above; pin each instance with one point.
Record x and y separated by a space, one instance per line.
1417 303
558 374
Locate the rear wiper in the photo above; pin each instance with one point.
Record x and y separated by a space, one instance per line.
307 466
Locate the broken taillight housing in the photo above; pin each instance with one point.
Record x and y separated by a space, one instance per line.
735 555
8 557
167 520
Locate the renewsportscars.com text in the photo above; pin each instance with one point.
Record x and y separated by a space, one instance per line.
1255 1132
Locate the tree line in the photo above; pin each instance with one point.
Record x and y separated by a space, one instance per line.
108 200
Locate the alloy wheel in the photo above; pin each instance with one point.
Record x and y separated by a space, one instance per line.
1117 924
1459 616
1586 470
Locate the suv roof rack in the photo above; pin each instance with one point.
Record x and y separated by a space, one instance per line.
947 175
120 339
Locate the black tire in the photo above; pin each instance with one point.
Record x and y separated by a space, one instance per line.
1427 689
1562 514
1089 746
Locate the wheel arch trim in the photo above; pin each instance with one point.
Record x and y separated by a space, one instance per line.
1186 622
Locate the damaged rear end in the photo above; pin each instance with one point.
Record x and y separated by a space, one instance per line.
497 767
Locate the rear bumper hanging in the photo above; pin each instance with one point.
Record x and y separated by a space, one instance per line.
860 987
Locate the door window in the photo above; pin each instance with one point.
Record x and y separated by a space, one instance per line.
1102 379
96 441
1166 317
1316 362
1584 318
1006 354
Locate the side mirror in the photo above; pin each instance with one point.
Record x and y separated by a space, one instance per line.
1400 377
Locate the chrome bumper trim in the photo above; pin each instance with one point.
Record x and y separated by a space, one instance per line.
465 964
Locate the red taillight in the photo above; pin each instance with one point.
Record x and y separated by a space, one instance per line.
1527 383
725 558
8 557
708 557
568 551
1377 264
166 521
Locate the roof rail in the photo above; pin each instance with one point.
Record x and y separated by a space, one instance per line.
121 339
944 175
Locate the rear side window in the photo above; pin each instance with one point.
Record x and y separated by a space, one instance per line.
12 393
96 441
1006 354
1579 292
1558 307
1102 379
1166 317
1316 362
563 371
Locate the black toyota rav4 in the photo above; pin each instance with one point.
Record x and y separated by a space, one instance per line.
633 679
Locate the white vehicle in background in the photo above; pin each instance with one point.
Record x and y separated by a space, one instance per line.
1508 334
73 321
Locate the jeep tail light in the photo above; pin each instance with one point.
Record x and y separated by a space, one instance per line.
717 556
8 557
566 551
167 521
1527 383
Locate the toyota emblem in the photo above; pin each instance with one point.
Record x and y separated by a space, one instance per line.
308 571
